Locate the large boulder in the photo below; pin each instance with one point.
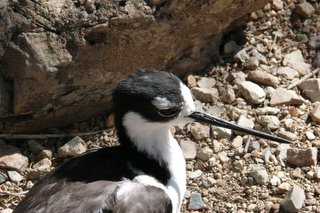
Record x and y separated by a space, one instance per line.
59 60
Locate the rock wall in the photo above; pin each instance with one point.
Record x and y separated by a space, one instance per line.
60 59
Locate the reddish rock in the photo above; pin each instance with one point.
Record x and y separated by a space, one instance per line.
315 113
302 157
11 158
263 77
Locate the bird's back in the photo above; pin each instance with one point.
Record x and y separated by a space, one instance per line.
89 183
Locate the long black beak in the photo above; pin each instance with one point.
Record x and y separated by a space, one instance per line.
209 119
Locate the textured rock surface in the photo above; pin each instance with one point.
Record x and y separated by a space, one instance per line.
59 55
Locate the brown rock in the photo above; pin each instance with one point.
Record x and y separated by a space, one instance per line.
263 77
53 74
228 95
200 131
283 96
311 89
302 157
191 81
11 158
204 94
315 113
304 9
277 4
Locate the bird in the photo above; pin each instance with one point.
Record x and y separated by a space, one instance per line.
146 172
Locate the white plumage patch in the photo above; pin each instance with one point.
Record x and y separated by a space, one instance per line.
155 139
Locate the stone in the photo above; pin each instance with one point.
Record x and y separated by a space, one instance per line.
293 202
236 77
223 157
6 211
242 56
34 146
302 157
311 89
39 169
282 150
237 142
317 173
304 9
310 175
196 202
205 154
283 188
3 177
215 110
200 131
209 182
11 158
266 154
216 146
204 94
72 148
259 173
315 113
252 63
310 136
316 60
206 83
231 47
269 121
253 145
191 81
287 72
262 77
267 111
252 207
238 165
252 92
269 91
277 4
295 60
189 149
262 59
315 42
227 94
46 153
245 122
275 180
42 165
287 135
296 173
14 176
220 132
287 97
195 174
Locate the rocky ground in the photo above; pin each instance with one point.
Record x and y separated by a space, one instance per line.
269 79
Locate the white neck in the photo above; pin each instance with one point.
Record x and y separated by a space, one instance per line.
155 139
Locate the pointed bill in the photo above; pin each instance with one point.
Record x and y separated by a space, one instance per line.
209 119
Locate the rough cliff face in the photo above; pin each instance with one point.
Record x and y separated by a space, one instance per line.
59 60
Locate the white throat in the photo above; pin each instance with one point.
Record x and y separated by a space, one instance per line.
155 139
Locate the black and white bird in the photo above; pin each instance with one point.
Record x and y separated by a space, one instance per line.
146 173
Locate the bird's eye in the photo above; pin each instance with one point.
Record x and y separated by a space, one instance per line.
169 112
